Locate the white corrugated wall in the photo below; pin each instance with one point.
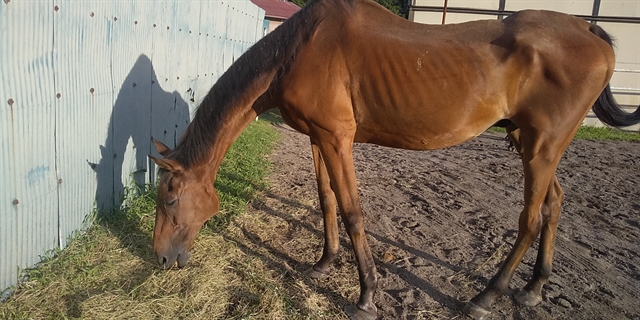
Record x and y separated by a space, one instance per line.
83 87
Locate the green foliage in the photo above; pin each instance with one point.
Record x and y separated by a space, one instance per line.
394 6
300 3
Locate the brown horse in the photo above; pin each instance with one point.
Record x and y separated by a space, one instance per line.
345 71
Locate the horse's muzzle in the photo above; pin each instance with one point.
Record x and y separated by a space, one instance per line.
169 260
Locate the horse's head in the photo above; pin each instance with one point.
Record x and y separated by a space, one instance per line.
186 199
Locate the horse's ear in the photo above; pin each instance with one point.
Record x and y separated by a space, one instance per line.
161 147
168 164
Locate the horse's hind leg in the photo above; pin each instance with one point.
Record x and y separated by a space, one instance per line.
550 210
328 206
541 152
531 294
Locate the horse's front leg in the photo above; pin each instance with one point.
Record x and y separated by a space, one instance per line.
336 150
328 206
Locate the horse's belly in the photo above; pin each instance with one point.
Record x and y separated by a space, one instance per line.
413 141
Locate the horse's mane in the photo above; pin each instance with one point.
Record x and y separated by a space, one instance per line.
275 52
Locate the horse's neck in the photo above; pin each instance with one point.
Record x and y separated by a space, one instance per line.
237 93
237 118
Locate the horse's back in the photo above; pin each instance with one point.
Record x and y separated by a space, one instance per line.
418 86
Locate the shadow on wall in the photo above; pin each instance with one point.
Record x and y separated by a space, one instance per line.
141 110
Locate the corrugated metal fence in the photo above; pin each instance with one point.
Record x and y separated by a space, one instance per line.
83 87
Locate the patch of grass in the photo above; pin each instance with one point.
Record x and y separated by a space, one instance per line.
243 172
272 116
606 133
497 130
110 271
594 133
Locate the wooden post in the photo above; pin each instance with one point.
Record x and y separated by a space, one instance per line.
444 10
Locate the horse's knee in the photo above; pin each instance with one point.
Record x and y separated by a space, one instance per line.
353 221
328 202
530 225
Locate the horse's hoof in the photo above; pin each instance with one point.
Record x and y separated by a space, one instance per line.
475 312
315 274
356 313
527 298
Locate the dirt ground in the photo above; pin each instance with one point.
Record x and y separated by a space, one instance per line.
440 222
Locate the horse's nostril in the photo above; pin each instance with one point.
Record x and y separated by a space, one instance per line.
162 261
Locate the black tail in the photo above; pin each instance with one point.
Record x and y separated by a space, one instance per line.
608 111
606 108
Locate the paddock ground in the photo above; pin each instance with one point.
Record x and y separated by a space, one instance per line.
440 222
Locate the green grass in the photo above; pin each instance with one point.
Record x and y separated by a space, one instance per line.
606 133
496 130
243 172
110 270
595 133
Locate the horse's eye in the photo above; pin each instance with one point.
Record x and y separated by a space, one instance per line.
171 201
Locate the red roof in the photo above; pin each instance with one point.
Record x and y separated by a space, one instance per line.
277 8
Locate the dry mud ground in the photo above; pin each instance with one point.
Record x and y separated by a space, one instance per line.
440 222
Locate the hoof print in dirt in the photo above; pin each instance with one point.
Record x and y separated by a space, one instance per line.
562 302
410 224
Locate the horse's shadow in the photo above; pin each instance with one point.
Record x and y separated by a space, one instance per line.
141 110
278 259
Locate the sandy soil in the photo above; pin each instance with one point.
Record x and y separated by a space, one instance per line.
440 222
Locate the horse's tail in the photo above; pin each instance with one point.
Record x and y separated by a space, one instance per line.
606 108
